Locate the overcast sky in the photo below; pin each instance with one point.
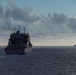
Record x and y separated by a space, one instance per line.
49 22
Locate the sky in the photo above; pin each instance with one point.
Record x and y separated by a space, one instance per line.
49 22
44 6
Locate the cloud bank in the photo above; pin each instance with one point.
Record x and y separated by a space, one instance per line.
37 25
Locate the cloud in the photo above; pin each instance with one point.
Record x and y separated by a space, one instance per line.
21 14
37 25
14 15
59 18
72 23
1 11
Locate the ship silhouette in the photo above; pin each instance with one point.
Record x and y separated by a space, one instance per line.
19 43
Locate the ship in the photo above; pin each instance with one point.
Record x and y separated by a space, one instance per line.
18 43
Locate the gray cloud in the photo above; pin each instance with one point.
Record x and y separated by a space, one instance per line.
14 15
21 14
37 25
72 23
59 18
1 11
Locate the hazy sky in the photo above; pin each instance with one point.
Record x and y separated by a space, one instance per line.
49 22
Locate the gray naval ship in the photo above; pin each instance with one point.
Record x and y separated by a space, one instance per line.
19 43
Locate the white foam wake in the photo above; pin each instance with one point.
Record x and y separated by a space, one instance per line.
28 50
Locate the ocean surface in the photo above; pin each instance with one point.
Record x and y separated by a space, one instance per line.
41 61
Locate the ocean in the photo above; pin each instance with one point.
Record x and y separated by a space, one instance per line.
41 61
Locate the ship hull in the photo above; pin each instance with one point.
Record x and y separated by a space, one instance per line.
18 51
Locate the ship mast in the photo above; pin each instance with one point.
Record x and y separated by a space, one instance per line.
24 29
14 29
19 28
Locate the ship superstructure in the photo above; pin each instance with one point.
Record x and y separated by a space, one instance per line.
18 43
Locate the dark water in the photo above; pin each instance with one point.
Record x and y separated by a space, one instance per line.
41 61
